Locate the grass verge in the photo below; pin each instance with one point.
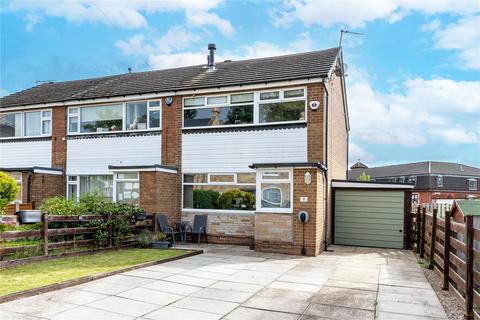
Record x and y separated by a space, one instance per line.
38 274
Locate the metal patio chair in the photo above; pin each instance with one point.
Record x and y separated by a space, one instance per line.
199 228
169 230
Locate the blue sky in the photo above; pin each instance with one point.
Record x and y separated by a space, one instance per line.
413 81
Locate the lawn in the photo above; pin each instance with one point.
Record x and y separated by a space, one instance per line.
38 274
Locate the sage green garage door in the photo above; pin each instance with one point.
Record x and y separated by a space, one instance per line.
369 218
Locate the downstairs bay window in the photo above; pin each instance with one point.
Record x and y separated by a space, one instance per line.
219 191
127 187
274 190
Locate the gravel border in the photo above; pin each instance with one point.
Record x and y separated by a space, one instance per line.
451 305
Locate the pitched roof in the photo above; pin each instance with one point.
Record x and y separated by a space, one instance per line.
417 168
358 165
288 67
469 207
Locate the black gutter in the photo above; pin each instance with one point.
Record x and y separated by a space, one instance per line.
325 222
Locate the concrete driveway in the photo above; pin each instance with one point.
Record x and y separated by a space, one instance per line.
229 282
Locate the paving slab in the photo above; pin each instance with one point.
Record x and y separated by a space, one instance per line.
233 282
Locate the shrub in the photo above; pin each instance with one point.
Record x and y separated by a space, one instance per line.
144 238
60 206
8 190
364 177
236 199
205 199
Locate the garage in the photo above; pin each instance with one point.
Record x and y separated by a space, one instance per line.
370 214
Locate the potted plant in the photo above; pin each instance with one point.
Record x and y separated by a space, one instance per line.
160 241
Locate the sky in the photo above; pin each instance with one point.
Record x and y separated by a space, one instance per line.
413 79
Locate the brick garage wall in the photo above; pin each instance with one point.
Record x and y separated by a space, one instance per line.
227 228
45 186
158 194
279 224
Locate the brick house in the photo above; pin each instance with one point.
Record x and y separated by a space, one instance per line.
250 143
433 181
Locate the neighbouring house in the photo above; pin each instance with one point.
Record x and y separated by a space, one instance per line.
462 208
433 181
249 143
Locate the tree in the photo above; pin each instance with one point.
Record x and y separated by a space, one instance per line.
364 177
8 190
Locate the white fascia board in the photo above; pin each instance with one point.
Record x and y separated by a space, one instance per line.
360 185
151 96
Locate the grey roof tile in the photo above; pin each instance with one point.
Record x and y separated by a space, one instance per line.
281 68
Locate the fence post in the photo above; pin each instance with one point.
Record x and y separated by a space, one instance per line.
417 222
446 251
110 231
422 234
45 233
434 239
469 271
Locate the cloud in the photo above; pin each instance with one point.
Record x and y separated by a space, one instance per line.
166 50
463 37
203 18
356 153
32 20
418 112
125 14
357 13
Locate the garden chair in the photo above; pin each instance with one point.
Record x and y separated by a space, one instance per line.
169 230
199 228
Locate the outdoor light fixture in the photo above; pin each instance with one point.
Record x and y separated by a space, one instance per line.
308 178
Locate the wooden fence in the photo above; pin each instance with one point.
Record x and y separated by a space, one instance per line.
452 249
71 237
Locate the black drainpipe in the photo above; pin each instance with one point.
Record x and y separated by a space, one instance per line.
29 183
325 226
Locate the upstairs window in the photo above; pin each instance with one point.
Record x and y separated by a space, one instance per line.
26 124
10 125
143 115
101 118
439 181
472 184
245 108
131 116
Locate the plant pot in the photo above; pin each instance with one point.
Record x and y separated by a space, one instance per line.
141 217
160 244
29 216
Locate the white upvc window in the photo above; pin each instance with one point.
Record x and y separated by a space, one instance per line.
101 185
36 123
275 190
127 187
216 192
472 184
118 117
246 108
18 179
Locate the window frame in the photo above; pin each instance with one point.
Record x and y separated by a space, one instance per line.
23 122
259 191
439 181
116 180
77 183
124 117
235 183
475 183
256 106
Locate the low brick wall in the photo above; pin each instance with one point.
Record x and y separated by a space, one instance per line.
227 228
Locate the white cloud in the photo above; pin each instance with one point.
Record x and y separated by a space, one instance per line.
126 14
357 153
32 20
203 18
463 37
457 135
420 111
357 13
164 53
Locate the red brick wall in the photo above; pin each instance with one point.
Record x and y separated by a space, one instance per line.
59 135
45 186
315 120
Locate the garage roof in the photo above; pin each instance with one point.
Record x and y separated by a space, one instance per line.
343 184
469 207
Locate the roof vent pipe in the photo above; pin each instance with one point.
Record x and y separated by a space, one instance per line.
211 57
